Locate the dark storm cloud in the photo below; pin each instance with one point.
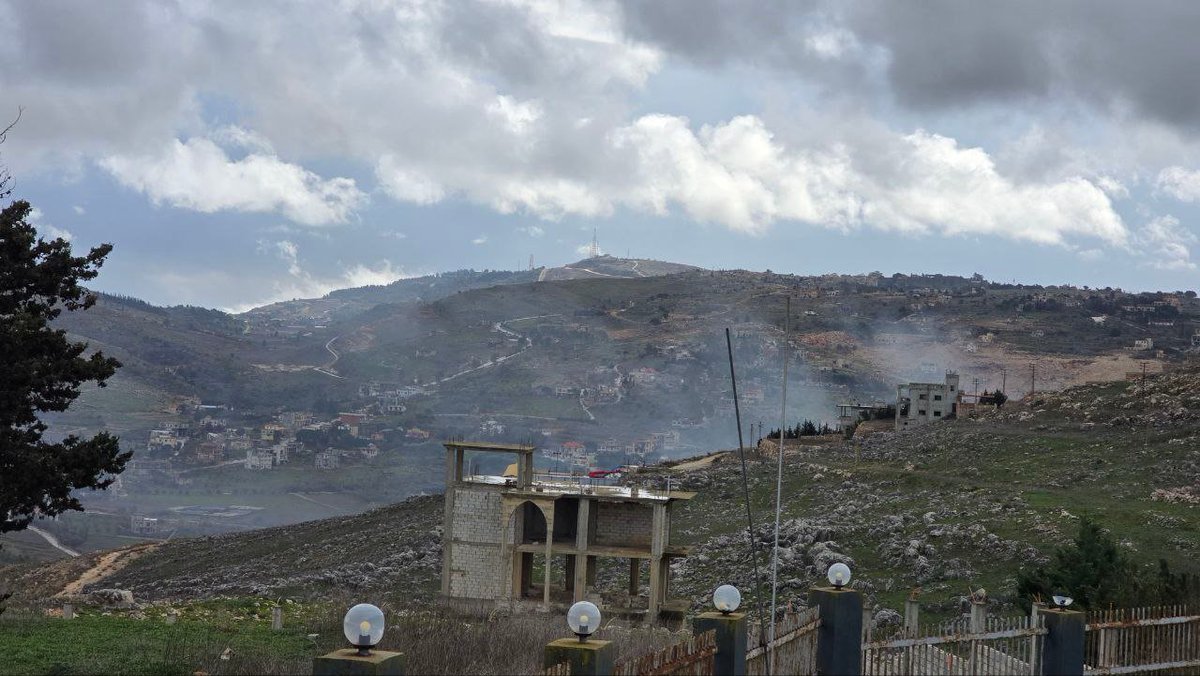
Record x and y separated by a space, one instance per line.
1137 57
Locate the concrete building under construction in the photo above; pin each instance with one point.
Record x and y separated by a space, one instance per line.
921 403
516 535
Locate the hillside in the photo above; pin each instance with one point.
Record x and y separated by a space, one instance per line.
631 364
946 507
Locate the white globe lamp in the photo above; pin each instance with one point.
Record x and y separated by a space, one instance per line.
584 619
363 627
839 575
727 598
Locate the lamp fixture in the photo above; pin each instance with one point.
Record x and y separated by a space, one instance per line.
583 618
839 575
363 627
727 598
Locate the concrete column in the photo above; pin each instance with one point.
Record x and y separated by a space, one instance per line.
839 639
657 545
731 640
277 618
912 617
549 557
587 658
978 616
68 611
580 578
347 663
1062 650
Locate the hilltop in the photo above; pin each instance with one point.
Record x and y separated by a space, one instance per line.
945 507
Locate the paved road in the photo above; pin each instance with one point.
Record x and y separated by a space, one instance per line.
53 541
325 369
498 326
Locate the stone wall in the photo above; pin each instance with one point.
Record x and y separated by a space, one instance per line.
624 524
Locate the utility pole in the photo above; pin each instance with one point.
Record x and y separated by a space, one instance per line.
1143 380
1004 380
976 389
1032 377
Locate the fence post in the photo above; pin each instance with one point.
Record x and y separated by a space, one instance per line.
587 658
277 618
839 640
912 617
978 616
731 640
1062 651
68 611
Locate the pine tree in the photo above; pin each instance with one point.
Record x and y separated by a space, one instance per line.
42 371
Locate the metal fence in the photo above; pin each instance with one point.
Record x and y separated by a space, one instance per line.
1137 640
997 646
794 648
694 656
562 669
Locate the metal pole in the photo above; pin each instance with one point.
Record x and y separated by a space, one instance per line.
787 327
737 412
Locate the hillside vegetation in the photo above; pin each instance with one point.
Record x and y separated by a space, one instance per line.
945 508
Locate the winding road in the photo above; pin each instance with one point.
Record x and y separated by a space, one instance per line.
498 326
325 369
53 541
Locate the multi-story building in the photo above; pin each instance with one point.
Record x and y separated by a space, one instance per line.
920 403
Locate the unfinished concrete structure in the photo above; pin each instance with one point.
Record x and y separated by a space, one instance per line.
920 403
499 528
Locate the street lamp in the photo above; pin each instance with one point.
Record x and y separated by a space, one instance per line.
363 627
583 618
839 575
1062 601
727 598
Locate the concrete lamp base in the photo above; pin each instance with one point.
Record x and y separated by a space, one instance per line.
589 658
731 640
348 663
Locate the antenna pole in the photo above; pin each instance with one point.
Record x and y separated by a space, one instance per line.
787 328
737 412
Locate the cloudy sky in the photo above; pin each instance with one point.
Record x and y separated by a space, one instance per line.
238 152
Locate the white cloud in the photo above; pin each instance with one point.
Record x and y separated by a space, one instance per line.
406 183
482 239
300 283
45 230
1166 244
198 175
79 210
737 174
532 230
1180 183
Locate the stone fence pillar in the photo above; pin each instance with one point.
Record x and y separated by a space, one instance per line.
731 640
839 640
1062 651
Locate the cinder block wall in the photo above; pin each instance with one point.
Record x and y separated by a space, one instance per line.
476 570
624 524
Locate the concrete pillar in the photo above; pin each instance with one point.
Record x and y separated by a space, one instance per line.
277 618
172 616
549 558
587 658
68 611
912 617
657 569
347 663
731 640
1062 649
839 639
978 616
635 577
580 578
